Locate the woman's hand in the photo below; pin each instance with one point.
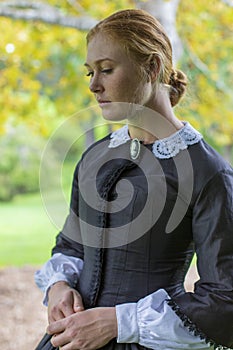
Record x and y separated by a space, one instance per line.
63 301
86 330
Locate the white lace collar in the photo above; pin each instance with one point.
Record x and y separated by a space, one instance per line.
163 148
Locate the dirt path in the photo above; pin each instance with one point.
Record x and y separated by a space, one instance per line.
23 317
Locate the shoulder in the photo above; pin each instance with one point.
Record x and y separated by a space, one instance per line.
96 143
206 160
92 147
211 172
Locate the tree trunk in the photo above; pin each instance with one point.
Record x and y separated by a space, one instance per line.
165 11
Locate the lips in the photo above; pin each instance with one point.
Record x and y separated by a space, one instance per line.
103 103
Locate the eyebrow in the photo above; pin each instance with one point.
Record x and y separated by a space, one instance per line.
99 61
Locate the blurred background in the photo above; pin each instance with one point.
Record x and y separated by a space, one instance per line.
43 84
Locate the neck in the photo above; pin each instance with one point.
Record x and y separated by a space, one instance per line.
141 134
156 120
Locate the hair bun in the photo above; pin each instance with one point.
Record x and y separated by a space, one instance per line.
178 82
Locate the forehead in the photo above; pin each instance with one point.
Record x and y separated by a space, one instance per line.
102 46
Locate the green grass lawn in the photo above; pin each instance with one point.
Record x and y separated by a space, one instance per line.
26 232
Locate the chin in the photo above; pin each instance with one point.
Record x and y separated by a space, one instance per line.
112 117
115 111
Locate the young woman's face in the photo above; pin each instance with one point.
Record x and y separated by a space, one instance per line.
114 77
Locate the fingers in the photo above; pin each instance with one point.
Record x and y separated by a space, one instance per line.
77 304
58 341
60 310
90 329
65 305
55 315
62 335
56 327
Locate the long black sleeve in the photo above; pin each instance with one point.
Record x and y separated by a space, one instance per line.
210 307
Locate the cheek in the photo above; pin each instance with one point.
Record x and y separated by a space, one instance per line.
124 86
128 91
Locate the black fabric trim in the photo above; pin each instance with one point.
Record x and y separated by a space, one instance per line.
192 327
99 255
45 343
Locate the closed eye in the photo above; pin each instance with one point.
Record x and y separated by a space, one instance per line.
107 71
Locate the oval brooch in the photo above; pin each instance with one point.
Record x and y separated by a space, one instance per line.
135 148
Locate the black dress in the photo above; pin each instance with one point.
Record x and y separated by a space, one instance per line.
184 205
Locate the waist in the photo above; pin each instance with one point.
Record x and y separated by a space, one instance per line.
112 297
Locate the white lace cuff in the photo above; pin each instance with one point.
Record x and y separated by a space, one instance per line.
153 324
59 268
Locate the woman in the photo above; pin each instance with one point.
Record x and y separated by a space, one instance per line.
115 279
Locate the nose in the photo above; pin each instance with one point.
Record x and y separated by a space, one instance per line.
95 84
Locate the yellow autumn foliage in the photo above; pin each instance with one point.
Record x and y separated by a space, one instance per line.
42 78
207 31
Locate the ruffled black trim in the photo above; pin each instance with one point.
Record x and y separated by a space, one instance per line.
192 327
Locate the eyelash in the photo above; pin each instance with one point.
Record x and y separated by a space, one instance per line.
89 74
106 71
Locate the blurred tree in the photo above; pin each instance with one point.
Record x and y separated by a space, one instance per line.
41 80
207 33
40 67
165 12
19 162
